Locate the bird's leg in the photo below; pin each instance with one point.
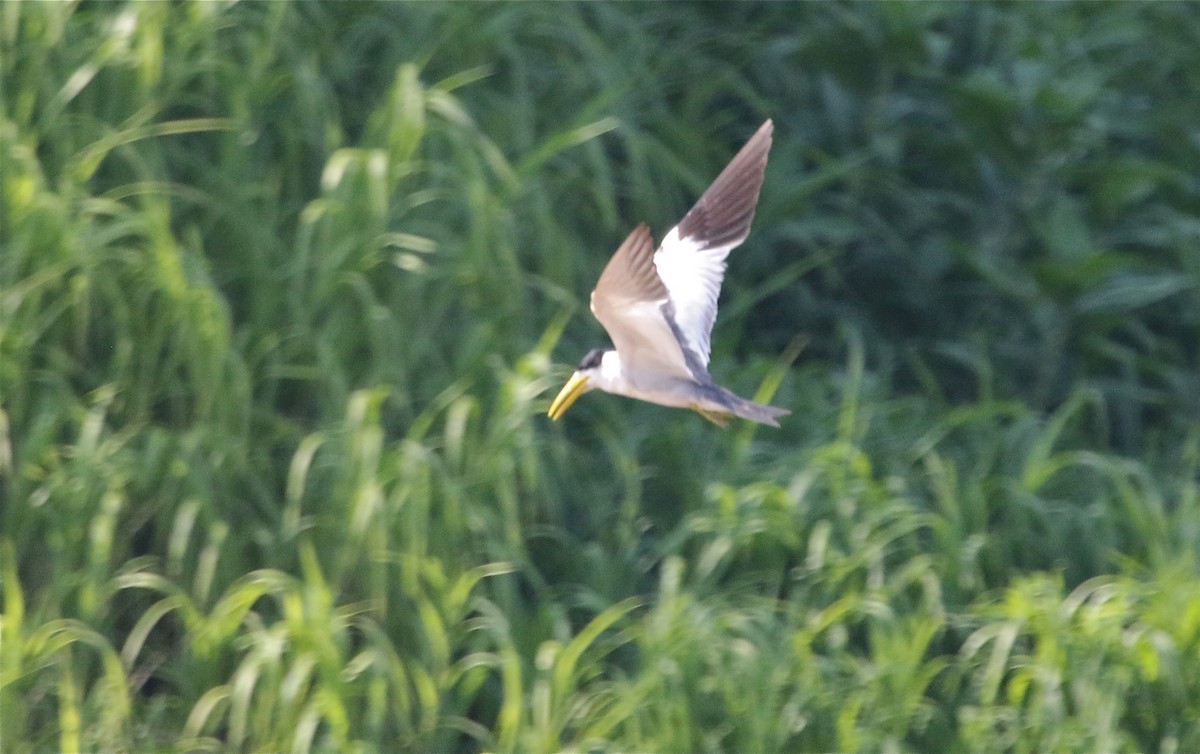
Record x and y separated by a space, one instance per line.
720 418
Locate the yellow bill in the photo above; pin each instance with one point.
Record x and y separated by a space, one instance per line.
575 387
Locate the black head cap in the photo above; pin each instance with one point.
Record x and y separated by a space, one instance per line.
592 359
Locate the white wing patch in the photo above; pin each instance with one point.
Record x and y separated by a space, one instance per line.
693 277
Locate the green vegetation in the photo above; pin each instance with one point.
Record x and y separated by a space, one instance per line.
285 290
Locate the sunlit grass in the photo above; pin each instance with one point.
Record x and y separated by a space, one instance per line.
284 287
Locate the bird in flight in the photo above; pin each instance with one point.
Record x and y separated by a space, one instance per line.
658 306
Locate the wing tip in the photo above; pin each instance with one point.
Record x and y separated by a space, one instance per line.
766 129
724 212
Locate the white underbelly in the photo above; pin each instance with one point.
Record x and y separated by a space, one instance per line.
675 393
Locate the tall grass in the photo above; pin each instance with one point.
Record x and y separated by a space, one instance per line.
283 289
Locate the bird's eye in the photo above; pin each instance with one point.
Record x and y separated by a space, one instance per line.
592 360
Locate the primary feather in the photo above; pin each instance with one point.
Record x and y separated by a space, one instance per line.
691 259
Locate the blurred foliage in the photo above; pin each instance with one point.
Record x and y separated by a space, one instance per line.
284 287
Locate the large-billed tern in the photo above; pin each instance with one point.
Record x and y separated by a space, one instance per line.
658 306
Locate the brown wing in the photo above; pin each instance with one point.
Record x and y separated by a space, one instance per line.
722 215
632 303
691 261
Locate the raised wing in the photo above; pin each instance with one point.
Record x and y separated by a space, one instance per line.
633 304
691 260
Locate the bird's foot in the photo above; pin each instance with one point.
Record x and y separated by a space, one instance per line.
720 418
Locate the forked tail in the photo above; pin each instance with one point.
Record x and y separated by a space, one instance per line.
761 413
755 412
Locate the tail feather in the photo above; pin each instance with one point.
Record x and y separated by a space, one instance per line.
755 412
761 413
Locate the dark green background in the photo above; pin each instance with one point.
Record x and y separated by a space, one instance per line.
285 289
